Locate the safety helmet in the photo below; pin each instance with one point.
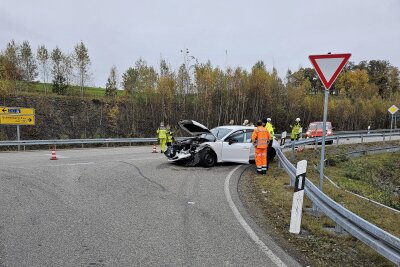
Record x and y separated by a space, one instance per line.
268 119
297 119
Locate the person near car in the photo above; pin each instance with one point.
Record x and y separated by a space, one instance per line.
270 128
245 122
170 136
231 122
260 139
295 130
162 136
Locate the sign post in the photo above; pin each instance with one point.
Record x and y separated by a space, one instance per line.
328 68
17 116
392 110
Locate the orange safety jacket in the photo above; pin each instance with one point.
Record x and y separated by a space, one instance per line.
260 137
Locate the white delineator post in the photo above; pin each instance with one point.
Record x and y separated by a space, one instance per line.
283 138
298 196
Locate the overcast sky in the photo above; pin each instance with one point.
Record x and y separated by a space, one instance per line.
281 33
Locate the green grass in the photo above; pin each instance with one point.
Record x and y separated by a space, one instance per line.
376 177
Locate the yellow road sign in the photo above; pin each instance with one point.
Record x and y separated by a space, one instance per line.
16 111
393 109
17 119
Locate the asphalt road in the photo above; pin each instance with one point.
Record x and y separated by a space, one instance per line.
124 207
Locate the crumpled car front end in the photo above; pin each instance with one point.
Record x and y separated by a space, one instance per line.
186 151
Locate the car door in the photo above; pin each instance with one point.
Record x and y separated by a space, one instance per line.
235 148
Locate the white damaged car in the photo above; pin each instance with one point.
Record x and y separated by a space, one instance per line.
230 143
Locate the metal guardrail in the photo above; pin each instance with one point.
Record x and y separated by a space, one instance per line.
381 241
81 141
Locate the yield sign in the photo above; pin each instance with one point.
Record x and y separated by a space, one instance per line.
329 66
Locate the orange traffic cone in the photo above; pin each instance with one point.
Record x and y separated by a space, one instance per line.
154 148
53 154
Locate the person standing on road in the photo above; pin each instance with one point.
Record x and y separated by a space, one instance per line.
295 130
162 136
270 129
170 137
260 138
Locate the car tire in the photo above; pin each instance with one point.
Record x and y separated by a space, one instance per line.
208 157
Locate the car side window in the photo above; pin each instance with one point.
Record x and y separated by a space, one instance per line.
238 136
248 135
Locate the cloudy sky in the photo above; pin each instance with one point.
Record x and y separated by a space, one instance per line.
281 33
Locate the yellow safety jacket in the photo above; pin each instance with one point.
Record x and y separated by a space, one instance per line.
170 136
162 133
270 129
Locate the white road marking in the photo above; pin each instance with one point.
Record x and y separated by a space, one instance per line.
191 203
275 259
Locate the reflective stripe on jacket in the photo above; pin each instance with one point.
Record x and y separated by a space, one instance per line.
260 137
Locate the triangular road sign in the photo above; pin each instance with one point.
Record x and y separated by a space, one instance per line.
329 66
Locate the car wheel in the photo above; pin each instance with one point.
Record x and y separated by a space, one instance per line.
208 158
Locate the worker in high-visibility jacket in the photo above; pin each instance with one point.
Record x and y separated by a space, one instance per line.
170 136
162 136
295 130
260 139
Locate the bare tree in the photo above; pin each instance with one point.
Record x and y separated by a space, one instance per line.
82 61
43 57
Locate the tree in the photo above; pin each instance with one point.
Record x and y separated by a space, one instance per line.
43 58
61 71
112 81
59 85
82 62
140 78
28 62
12 64
56 60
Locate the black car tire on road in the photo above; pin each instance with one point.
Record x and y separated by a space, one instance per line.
207 157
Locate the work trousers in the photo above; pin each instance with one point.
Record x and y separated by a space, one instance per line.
269 148
261 160
163 142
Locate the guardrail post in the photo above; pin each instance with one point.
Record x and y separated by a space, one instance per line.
316 143
383 136
337 140
362 138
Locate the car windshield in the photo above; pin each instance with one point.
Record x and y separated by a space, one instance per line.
315 126
220 132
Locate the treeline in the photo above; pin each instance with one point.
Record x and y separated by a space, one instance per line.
211 95
20 66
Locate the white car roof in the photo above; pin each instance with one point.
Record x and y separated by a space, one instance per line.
237 127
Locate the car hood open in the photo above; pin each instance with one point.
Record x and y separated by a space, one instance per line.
194 128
